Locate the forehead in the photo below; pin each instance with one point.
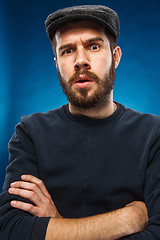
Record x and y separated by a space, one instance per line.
79 27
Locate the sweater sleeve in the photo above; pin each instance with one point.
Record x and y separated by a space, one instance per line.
15 223
151 194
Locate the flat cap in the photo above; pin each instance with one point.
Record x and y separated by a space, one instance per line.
101 14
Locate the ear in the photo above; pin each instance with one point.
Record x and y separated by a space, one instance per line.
55 59
117 53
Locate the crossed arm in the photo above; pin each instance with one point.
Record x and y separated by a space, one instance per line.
131 219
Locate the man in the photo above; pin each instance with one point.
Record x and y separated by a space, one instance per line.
97 160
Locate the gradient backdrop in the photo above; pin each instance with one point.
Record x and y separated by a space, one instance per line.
28 77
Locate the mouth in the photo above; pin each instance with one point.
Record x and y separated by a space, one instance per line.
83 82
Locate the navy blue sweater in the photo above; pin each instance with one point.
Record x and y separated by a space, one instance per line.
89 166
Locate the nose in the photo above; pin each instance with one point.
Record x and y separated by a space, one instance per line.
82 60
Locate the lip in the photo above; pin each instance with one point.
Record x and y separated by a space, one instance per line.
83 78
83 81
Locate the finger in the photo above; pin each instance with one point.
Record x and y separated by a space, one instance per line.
28 186
37 181
25 207
30 195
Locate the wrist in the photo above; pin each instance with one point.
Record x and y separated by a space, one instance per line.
56 214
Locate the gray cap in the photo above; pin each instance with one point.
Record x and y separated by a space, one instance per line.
104 15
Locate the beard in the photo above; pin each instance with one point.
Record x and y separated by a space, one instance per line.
79 97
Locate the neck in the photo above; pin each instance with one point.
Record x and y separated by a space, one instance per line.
101 111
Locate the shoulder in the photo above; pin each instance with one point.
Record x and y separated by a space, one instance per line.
43 117
36 122
142 121
136 115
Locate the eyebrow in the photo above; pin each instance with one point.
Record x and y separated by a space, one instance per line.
90 40
65 46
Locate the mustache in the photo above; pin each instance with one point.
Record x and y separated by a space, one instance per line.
85 72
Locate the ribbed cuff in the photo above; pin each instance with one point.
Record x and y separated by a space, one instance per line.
39 228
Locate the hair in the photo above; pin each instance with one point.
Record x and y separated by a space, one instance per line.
110 36
112 39
54 44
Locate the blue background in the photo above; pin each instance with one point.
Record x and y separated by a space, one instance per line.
28 77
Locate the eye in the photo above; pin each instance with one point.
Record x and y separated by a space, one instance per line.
94 47
67 51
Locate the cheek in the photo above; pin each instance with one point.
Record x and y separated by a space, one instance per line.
64 69
102 66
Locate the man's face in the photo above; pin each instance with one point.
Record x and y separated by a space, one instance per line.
85 63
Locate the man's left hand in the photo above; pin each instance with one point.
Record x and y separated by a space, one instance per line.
35 191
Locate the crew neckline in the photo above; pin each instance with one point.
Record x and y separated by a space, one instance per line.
93 121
